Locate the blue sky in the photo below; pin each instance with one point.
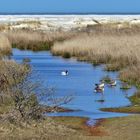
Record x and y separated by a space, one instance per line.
70 6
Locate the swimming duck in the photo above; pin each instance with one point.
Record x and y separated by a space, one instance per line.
97 89
113 83
64 73
101 85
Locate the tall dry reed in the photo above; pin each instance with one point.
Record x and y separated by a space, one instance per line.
117 51
5 46
35 40
101 48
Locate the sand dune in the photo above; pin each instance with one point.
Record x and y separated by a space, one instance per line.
64 22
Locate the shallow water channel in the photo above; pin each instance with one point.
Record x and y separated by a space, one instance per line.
80 83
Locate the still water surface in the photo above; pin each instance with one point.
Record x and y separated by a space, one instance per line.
80 83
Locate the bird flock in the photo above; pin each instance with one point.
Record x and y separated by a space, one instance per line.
100 87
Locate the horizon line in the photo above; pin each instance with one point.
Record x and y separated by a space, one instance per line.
69 13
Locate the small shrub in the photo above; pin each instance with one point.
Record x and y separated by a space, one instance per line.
112 67
125 86
135 99
131 75
66 55
107 79
26 60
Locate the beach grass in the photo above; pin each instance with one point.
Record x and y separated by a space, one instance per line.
121 50
5 46
35 40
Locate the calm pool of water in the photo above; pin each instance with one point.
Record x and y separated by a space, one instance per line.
80 83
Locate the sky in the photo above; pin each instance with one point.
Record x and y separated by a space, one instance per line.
70 6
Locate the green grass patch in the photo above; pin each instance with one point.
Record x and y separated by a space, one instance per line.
135 108
107 79
129 109
75 123
135 99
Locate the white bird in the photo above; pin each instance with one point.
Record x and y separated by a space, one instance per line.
97 89
64 73
113 83
101 85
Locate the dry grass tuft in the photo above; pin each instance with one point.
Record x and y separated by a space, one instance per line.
131 75
5 46
44 130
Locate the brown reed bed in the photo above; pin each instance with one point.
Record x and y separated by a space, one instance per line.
5 46
35 40
117 51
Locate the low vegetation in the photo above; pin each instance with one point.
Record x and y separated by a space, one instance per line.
46 129
21 115
108 129
125 86
106 79
131 75
128 109
5 46
118 50
15 91
122 128
36 41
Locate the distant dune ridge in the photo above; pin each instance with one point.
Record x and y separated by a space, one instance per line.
64 22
